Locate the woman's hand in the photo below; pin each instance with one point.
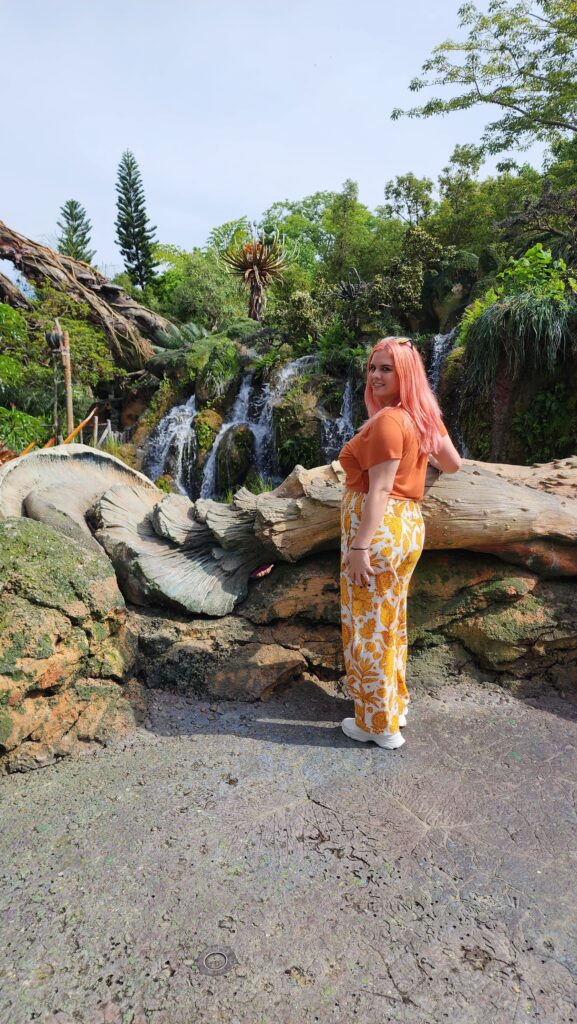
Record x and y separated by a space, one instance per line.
358 564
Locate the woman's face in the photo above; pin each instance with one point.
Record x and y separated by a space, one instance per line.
383 378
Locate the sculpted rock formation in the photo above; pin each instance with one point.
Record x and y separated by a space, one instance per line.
498 599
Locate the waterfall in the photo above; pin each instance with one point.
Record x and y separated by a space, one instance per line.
443 344
172 444
239 414
337 432
262 425
173 440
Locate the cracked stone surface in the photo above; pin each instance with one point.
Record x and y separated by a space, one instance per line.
435 883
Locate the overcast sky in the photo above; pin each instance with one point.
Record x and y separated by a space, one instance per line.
227 106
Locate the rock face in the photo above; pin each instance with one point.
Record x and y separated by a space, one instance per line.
64 646
231 658
463 609
512 622
234 457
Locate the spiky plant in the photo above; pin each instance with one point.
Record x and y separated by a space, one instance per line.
258 263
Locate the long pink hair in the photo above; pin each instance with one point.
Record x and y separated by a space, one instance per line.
416 397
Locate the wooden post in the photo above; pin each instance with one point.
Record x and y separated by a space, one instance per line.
55 415
65 354
95 431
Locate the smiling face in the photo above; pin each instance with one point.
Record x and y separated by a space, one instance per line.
383 378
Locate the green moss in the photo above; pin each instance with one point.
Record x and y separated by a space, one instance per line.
5 727
475 420
46 567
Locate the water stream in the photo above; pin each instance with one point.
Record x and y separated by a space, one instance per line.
443 344
172 446
238 415
337 432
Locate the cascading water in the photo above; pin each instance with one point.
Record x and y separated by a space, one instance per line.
173 440
172 445
441 348
443 344
262 424
337 432
239 414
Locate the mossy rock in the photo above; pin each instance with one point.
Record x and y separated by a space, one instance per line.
62 616
298 437
544 419
234 457
206 426
172 364
217 381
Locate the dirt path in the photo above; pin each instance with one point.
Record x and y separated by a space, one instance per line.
345 883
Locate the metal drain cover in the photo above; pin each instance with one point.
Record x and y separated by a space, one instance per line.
216 960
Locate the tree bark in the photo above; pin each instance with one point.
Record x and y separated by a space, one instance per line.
127 325
11 294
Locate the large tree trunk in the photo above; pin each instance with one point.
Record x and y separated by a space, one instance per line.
11 294
126 323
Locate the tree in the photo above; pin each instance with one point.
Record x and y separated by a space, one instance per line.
520 57
410 198
75 228
134 234
257 263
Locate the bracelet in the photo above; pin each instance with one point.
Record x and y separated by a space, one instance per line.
359 549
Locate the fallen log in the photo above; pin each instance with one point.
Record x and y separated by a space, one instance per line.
127 325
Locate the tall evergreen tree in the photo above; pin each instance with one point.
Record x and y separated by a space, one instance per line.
75 228
135 236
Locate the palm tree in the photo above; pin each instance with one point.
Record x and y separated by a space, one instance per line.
257 262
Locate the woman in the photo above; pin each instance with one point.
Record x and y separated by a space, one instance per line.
383 533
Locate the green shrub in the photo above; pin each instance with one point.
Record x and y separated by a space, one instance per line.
17 429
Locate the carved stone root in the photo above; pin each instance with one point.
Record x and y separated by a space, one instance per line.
125 322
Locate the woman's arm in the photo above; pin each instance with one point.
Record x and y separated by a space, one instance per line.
381 479
447 458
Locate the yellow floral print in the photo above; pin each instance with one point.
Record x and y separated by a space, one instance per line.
374 618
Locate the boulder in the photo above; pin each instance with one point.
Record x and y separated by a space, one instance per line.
309 590
234 457
62 619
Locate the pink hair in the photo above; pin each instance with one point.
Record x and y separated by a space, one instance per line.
416 397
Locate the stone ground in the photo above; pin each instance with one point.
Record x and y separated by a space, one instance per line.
346 883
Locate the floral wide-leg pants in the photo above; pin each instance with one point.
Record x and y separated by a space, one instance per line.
374 618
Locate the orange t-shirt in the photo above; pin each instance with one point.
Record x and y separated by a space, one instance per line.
390 434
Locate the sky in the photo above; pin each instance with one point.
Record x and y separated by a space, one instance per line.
227 106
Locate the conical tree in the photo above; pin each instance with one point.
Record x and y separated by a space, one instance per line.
257 262
134 234
75 228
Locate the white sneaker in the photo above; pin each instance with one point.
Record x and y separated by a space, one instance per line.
388 740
